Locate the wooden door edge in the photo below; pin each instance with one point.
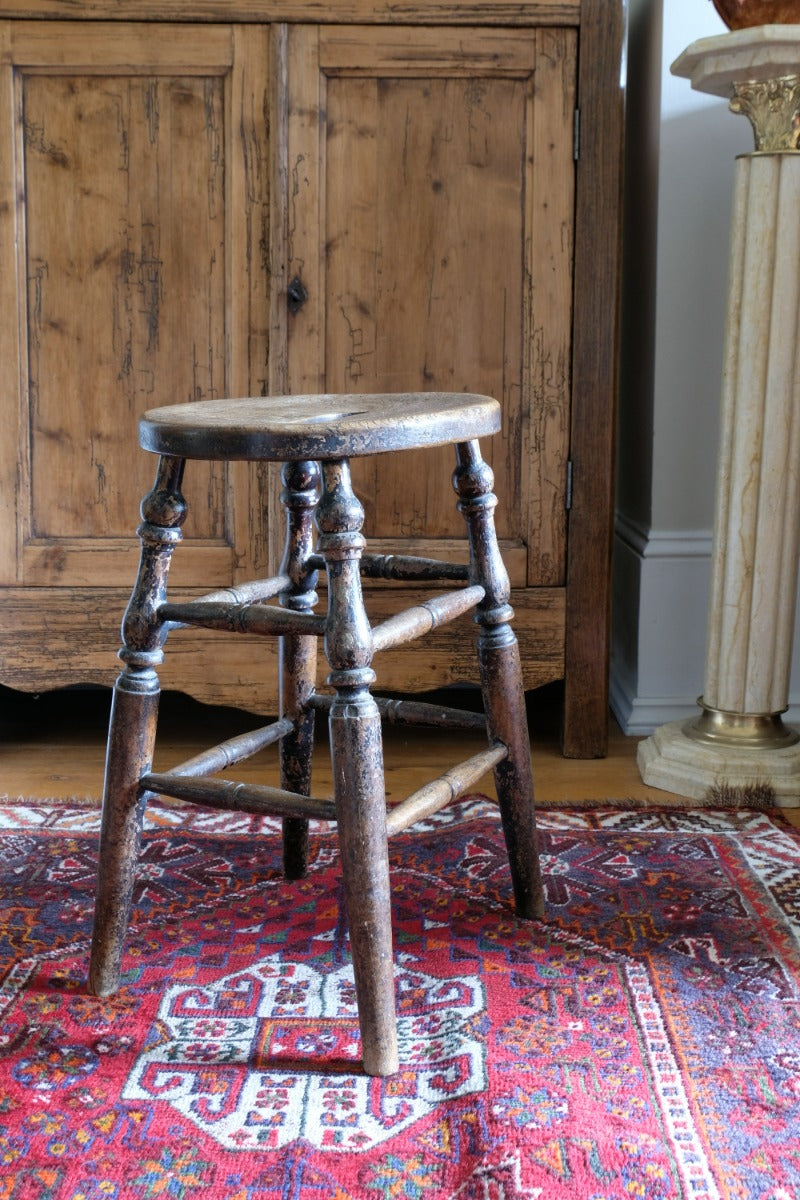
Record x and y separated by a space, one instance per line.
594 376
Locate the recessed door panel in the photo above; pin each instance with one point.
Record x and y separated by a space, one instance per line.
136 277
431 211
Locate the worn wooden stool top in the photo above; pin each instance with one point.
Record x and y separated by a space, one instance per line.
290 428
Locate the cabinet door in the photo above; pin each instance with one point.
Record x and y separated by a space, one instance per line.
134 213
430 219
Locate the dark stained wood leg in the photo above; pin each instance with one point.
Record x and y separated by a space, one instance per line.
501 678
133 726
298 656
130 747
357 757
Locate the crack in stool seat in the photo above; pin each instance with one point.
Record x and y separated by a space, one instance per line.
315 437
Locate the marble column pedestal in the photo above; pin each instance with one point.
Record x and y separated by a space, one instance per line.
738 750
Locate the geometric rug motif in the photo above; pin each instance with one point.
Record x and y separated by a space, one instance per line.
287 1013
643 1041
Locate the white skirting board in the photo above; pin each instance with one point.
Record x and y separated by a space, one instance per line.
659 618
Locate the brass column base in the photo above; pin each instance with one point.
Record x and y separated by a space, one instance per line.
756 731
725 760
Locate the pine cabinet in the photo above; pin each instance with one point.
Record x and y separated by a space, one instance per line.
216 199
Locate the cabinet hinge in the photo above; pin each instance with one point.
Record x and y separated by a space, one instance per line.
576 134
568 492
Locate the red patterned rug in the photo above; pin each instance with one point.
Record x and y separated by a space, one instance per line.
644 1042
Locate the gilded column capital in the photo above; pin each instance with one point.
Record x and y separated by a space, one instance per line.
772 106
757 70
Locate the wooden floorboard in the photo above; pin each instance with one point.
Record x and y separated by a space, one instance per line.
54 746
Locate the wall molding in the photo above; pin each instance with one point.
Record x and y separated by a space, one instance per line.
662 543
638 715
659 619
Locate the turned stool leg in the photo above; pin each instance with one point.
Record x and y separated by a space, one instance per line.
133 726
501 677
357 757
298 656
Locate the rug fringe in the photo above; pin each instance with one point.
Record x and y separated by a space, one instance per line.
757 798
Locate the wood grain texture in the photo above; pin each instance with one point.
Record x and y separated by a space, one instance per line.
356 749
132 48
270 195
594 367
132 726
297 655
233 796
413 712
318 427
548 313
441 791
132 732
418 281
394 52
131 296
233 750
452 549
52 747
242 671
104 301
262 619
416 12
252 500
14 464
422 618
501 679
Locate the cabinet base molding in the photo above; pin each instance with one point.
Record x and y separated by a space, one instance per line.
71 637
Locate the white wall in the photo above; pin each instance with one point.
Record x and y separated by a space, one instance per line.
699 140
682 146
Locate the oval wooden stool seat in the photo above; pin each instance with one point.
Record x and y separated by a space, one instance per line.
284 428
315 437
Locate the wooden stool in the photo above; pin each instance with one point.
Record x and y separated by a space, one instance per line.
302 432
